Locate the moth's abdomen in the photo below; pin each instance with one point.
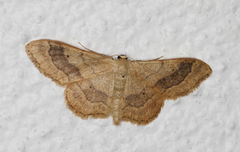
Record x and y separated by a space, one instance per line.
119 86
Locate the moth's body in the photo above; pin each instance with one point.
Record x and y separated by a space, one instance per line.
121 74
98 86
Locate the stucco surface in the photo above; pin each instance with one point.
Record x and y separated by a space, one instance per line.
34 117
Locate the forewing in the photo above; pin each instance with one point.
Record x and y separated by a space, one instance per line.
149 83
175 77
64 63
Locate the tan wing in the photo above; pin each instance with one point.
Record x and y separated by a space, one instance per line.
64 63
91 97
149 83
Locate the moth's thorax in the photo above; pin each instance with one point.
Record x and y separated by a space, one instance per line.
122 67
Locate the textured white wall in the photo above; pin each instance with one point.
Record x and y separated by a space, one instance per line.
33 115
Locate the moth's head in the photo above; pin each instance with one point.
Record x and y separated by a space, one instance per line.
122 57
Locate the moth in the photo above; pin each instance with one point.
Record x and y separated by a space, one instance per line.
98 86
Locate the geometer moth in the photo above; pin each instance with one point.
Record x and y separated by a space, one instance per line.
98 86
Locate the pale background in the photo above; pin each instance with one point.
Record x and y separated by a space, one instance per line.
34 117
